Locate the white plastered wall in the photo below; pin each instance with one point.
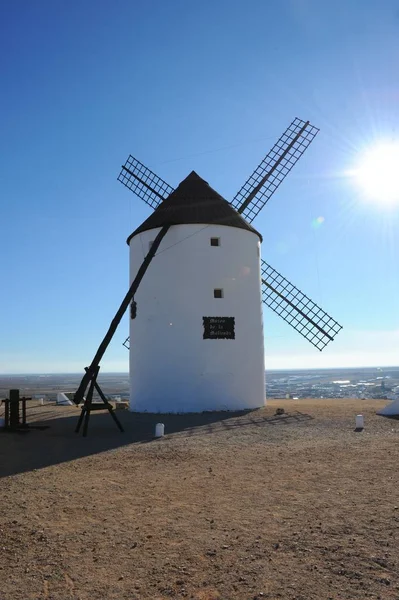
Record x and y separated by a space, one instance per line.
172 368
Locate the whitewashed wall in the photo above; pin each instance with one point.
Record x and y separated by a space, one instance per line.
172 368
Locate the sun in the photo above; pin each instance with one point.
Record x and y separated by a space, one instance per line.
377 173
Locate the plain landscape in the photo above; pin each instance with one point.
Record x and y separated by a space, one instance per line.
246 505
367 382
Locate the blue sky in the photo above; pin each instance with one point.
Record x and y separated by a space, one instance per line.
188 85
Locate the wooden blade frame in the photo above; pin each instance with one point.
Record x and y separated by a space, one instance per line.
273 169
143 182
297 309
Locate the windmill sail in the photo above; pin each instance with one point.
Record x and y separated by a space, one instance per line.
143 182
278 293
297 309
273 169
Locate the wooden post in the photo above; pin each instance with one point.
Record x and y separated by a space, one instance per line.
92 371
7 413
88 404
14 409
24 411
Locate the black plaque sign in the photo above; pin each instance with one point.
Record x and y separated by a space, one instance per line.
219 328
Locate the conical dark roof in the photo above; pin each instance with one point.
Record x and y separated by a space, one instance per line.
194 201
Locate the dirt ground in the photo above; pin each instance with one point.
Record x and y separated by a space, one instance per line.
225 506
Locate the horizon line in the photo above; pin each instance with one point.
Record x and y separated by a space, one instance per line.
126 373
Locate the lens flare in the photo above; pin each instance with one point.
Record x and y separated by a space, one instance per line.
318 222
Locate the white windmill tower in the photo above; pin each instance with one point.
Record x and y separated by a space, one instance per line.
197 283
208 278
198 334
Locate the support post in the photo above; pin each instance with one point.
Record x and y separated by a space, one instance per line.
14 409
92 371
88 406
7 413
88 403
23 412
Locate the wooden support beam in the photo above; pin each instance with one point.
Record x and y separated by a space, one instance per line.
89 406
93 369
14 409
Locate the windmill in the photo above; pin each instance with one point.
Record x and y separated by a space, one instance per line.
191 350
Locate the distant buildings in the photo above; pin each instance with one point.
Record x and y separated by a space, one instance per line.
319 384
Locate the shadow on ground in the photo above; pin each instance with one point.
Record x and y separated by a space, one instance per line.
58 442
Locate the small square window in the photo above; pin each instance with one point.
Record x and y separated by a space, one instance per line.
215 241
218 293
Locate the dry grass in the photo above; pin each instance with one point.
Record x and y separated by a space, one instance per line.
225 507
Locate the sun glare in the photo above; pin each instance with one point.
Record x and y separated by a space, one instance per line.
378 173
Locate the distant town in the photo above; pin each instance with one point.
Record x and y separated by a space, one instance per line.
363 383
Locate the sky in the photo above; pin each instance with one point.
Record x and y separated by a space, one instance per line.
186 85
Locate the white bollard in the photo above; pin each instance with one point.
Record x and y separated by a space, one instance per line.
359 422
159 430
